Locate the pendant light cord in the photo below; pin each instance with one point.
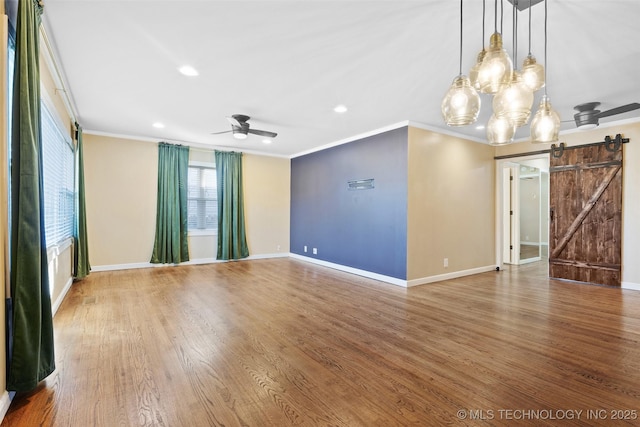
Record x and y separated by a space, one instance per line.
495 16
460 37
515 36
545 49
530 6
483 14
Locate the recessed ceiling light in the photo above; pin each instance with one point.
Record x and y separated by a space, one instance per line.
188 70
266 141
480 127
158 125
340 109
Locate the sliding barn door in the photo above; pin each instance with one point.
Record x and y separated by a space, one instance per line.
586 214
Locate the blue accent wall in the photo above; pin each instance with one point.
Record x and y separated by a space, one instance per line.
363 229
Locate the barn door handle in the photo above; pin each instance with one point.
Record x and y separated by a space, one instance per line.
551 214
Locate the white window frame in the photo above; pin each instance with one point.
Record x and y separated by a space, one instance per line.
203 232
64 131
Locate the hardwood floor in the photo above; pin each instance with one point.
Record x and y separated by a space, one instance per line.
282 342
529 251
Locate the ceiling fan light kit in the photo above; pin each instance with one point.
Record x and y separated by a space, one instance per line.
239 133
587 116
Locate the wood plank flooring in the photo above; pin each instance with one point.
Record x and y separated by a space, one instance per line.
282 342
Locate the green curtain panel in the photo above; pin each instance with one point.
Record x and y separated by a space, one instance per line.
171 245
31 357
232 238
81 266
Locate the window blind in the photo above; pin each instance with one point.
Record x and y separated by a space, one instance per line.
202 199
58 177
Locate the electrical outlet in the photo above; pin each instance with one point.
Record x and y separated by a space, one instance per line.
305 248
446 262
315 251
278 248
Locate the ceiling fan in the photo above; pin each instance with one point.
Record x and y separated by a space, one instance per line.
587 116
240 128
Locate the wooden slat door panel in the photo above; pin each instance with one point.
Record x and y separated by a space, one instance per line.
585 235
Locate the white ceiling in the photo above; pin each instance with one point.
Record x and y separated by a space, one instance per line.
287 64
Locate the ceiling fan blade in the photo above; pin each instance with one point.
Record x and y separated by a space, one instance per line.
620 110
218 133
263 133
234 121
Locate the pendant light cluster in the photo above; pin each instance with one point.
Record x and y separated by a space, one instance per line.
512 90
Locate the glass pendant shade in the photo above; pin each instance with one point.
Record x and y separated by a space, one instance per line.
495 71
500 130
545 125
514 101
532 73
461 104
473 73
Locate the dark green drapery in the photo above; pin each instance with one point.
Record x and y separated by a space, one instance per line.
232 239
171 245
81 266
31 338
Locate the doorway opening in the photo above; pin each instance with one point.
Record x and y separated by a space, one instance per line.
523 206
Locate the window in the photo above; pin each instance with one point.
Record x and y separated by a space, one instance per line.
58 177
11 55
202 198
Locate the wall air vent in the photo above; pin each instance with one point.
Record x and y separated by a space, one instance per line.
361 184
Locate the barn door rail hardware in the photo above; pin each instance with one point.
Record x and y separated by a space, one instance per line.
557 151
614 145
611 144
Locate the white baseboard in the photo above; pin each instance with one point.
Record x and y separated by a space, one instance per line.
5 401
381 277
452 275
56 304
267 256
394 280
130 266
630 285
356 271
133 266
